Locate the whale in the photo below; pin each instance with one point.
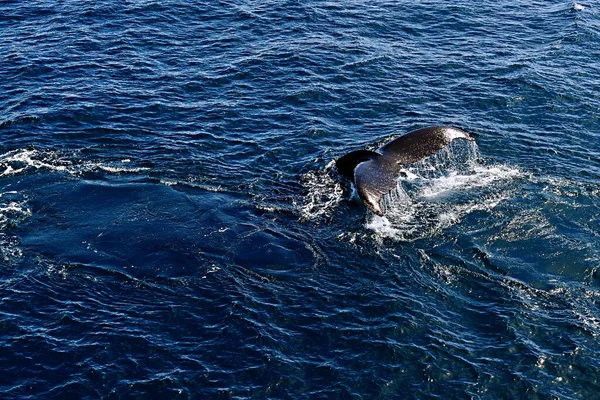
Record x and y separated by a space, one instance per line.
375 173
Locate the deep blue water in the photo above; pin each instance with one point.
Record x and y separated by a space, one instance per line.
171 225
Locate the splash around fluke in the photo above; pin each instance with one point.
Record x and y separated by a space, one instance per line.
375 173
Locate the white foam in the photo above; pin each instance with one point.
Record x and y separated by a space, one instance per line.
323 193
384 227
578 7
17 161
118 169
481 176
169 182
193 183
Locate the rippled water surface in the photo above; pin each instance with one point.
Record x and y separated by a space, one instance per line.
172 224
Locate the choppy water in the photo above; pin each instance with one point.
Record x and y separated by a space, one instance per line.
172 226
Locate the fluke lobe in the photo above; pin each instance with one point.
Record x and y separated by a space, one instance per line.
375 172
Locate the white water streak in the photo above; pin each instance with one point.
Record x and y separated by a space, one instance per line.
20 161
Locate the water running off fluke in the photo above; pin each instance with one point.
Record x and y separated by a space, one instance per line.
437 192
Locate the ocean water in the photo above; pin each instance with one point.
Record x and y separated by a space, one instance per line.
172 225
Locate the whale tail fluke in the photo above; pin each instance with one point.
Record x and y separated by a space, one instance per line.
375 173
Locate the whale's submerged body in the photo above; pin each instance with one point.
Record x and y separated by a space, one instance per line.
375 172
